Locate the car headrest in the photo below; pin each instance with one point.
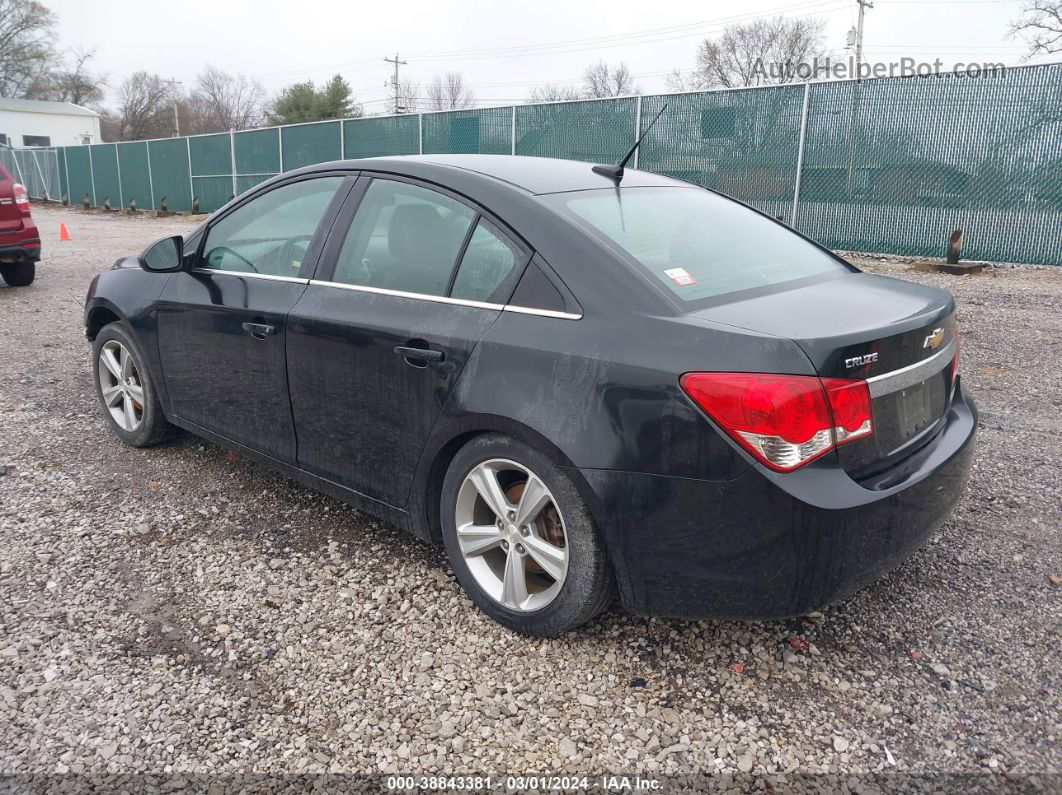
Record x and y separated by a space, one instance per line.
414 232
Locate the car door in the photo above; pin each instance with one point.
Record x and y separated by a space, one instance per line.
410 280
221 324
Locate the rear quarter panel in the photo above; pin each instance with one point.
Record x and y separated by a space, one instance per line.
600 393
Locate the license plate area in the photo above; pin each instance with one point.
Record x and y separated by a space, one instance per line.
915 409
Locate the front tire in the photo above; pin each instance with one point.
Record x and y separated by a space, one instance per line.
19 274
520 539
123 385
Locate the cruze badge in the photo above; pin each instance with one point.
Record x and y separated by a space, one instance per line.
934 339
859 361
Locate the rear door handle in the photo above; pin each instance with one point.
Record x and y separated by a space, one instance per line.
259 330
419 354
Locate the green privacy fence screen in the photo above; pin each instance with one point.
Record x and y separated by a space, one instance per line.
887 165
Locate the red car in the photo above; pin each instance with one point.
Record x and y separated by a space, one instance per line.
20 242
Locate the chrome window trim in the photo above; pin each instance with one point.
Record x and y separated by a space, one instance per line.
266 276
445 299
526 310
912 374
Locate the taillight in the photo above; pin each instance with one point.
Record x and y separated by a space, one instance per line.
785 421
21 194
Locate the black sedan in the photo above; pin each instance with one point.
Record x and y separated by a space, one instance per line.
582 382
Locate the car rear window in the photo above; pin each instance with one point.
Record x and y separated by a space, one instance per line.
696 243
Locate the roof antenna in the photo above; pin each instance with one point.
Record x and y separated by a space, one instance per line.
616 172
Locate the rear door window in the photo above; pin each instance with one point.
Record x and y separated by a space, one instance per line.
404 238
488 267
699 245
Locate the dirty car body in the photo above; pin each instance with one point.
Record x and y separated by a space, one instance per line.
618 346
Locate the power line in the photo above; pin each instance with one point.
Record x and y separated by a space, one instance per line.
624 39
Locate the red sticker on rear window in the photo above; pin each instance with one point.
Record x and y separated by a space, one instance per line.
680 276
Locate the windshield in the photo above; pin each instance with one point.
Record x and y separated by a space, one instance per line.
698 244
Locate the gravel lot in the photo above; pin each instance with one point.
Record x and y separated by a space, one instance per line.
182 609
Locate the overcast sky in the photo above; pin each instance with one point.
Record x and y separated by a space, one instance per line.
502 48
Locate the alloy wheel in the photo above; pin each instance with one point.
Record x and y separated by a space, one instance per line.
121 386
511 535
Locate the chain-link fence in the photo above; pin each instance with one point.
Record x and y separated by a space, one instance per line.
37 169
887 165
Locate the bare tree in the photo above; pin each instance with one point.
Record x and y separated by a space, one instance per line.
448 91
73 82
144 109
27 54
677 80
601 80
1040 25
221 101
763 52
547 92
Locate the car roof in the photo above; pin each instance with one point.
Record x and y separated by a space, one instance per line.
536 175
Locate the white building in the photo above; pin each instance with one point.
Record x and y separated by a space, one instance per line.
33 122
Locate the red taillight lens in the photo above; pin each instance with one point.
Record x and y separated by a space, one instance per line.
784 420
21 194
850 405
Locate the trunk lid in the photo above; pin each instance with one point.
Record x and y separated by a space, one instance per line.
898 336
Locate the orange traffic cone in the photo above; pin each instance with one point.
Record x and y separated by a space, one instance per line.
63 234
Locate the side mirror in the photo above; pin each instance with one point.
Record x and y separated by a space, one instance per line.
163 256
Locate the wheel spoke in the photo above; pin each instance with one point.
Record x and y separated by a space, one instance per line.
549 557
110 361
475 539
514 583
534 499
136 392
130 413
125 359
111 395
486 482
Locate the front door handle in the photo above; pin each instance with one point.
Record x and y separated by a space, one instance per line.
259 330
419 357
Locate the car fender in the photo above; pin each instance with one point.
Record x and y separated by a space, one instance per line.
131 294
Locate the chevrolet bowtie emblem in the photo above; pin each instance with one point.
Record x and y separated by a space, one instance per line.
934 339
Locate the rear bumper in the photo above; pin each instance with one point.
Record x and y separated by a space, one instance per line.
23 251
766 545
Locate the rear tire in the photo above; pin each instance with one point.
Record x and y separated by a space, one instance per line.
18 274
554 553
134 412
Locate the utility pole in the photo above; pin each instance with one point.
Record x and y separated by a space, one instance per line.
863 6
394 82
174 82
856 97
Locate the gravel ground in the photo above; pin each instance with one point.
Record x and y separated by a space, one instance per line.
182 609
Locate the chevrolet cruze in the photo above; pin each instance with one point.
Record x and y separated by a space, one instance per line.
583 383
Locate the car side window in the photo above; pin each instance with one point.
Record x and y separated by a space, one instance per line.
487 265
271 233
403 237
